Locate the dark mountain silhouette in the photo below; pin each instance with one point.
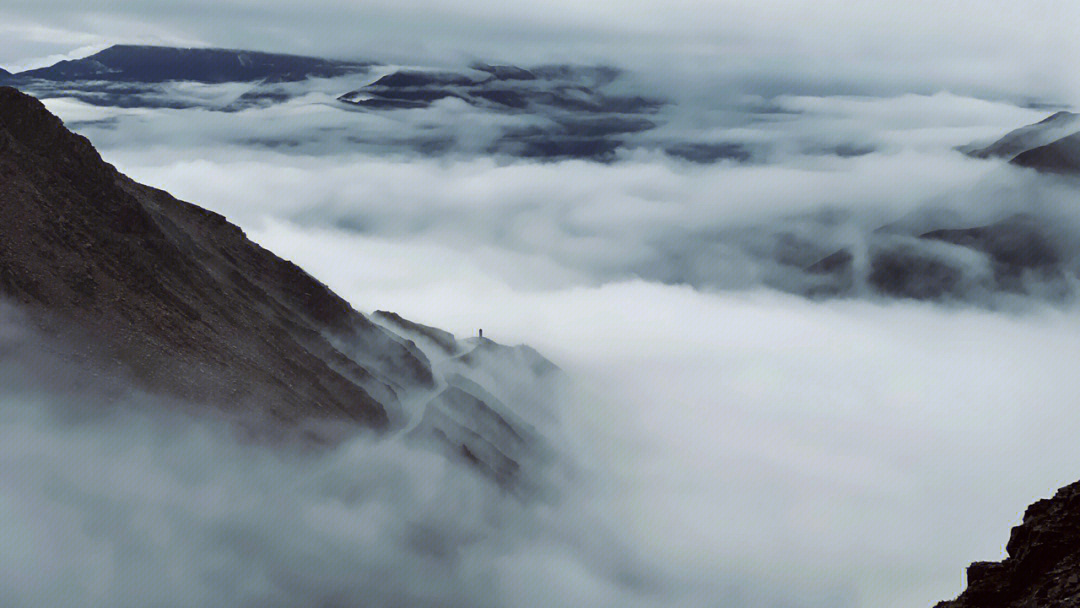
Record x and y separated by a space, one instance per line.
132 63
177 295
578 114
553 88
1043 567
1051 145
1026 138
1021 254
1060 156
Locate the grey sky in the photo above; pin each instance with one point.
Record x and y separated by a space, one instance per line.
989 47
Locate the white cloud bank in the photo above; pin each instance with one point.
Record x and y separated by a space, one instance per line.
750 449
742 448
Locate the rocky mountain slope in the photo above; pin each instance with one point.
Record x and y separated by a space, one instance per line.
179 302
176 293
1043 566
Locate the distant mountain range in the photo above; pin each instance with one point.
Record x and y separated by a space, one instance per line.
573 111
927 257
179 302
151 64
593 112
1051 145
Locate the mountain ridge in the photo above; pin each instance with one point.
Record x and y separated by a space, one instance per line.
175 293
175 301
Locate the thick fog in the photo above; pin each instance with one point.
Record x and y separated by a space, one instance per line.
722 441
727 443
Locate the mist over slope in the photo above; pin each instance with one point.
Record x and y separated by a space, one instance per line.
176 301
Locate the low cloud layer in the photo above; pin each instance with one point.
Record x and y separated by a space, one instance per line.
744 446
826 174
755 449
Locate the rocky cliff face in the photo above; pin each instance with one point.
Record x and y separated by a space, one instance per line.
1043 567
177 301
177 296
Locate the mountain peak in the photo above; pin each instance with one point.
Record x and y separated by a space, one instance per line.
1060 116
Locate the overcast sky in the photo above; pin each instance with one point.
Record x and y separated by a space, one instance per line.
988 47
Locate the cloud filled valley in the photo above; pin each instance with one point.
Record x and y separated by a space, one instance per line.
763 401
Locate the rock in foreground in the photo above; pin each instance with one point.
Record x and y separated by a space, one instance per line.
1043 567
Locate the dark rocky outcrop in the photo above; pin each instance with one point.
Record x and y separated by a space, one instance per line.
562 88
1043 566
175 295
575 117
133 63
466 422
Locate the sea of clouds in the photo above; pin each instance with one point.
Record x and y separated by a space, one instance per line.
733 444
